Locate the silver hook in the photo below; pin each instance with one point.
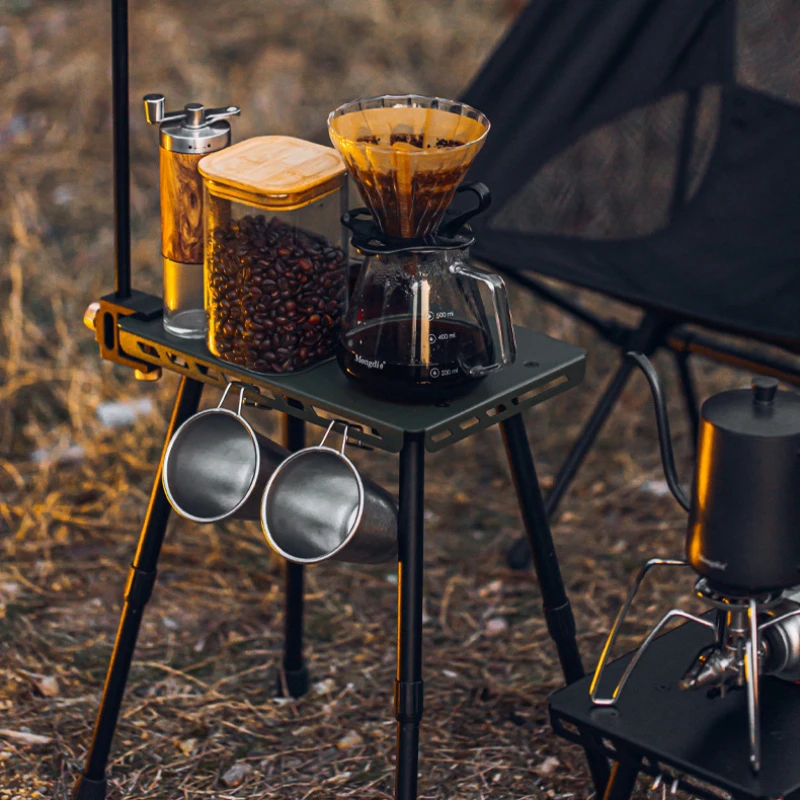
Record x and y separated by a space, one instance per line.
224 395
327 433
242 388
344 434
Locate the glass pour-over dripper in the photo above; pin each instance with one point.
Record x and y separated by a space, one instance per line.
407 155
417 326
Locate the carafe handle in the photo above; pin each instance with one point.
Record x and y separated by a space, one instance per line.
502 315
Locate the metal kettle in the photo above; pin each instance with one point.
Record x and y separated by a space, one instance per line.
743 533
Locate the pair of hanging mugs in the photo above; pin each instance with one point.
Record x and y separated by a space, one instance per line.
313 504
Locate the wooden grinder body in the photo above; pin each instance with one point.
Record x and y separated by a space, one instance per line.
181 207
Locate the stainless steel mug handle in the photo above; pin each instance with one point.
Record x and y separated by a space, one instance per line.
242 387
502 314
344 435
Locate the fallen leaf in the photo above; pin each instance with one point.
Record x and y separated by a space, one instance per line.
23 737
236 774
324 687
350 739
47 686
548 765
187 746
496 626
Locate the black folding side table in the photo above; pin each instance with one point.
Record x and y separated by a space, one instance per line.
696 740
129 331
544 369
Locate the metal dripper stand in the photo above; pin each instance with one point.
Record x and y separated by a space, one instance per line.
129 329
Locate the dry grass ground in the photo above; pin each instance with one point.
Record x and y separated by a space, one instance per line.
72 492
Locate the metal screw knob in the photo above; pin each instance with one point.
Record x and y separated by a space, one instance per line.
151 374
90 315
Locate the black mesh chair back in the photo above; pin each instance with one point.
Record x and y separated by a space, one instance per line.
646 149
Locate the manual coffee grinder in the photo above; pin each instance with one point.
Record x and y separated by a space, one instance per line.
185 137
743 541
417 327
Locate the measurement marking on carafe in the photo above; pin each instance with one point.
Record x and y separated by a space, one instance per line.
440 314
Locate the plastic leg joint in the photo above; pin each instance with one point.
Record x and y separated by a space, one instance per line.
408 701
560 622
87 789
139 587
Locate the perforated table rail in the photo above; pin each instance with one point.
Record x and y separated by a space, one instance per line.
544 367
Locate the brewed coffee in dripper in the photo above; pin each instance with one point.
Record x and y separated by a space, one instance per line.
407 154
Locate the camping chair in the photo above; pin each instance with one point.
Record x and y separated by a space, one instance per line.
649 150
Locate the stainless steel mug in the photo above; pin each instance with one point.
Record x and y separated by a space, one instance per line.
216 465
316 506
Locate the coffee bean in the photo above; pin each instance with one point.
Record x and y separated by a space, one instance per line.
276 294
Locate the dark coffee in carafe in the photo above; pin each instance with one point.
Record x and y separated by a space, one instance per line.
416 370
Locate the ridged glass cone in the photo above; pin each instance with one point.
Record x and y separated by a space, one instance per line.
407 155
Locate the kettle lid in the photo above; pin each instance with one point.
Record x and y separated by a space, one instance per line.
762 410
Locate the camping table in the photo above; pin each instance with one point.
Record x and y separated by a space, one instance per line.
128 328
695 740
545 368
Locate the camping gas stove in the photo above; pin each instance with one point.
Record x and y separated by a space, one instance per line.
742 543
754 635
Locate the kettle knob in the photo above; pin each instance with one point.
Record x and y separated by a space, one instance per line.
764 389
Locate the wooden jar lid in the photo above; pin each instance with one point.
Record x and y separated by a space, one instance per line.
274 171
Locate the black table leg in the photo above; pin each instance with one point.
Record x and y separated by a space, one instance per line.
408 686
622 781
141 578
295 671
557 610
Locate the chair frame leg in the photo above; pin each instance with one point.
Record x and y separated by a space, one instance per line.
647 338
557 609
689 393
408 687
294 678
91 785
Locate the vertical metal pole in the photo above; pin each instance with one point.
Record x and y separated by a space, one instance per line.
557 610
121 122
141 578
295 671
408 685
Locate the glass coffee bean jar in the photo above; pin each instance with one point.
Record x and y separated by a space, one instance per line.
275 263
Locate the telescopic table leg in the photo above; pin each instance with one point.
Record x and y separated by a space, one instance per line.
557 610
295 671
141 578
622 781
408 686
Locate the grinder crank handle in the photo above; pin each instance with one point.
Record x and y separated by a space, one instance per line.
502 315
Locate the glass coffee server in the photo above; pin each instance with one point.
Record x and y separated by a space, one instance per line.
128 328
